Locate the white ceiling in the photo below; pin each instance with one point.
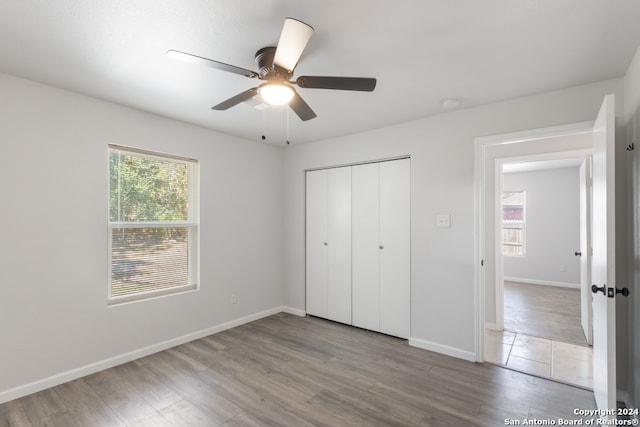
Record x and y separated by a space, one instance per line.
421 51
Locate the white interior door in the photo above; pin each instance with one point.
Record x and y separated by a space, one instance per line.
316 243
394 247
586 296
365 246
603 262
339 244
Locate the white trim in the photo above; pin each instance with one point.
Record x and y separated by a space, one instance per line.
148 295
294 311
443 349
542 282
552 155
492 326
363 162
479 254
498 251
151 154
533 134
73 374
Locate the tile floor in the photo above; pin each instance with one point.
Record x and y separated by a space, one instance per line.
567 363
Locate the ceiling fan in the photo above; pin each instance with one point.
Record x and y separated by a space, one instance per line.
275 66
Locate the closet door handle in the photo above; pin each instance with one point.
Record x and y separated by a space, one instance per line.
381 247
326 244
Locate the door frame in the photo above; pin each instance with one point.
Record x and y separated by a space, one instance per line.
530 144
586 209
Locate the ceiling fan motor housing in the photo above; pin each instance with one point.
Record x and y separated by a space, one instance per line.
266 68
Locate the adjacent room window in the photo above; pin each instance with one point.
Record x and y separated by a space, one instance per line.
153 226
513 222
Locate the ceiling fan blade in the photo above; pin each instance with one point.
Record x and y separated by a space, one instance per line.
365 84
293 39
194 59
301 108
235 100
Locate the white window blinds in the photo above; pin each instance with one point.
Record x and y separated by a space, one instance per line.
152 224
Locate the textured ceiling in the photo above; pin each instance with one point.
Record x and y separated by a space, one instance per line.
421 51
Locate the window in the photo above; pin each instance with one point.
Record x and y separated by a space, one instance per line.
513 222
153 228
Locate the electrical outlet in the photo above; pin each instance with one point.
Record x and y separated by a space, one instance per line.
443 220
234 298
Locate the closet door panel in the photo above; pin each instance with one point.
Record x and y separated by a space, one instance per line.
339 244
395 256
365 250
316 243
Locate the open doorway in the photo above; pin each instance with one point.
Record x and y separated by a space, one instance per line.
589 139
541 238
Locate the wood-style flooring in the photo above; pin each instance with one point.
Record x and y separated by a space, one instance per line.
543 311
285 370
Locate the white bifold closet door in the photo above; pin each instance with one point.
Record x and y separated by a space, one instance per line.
366 246
329 244
381 247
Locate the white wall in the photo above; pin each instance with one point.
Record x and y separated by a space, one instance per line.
552 227
442 181
54 320
632 121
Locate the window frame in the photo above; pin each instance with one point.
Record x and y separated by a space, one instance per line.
192 225
516 225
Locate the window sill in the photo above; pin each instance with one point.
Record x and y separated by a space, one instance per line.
145 296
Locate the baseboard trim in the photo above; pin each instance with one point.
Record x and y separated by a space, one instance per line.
443 349
73 374
294 311
542 282
491 325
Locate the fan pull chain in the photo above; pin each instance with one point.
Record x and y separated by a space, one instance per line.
264 122
288 126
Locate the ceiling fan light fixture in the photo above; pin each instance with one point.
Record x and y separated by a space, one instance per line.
276 93
276 65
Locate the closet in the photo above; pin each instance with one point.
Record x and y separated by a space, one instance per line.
358 245
329 244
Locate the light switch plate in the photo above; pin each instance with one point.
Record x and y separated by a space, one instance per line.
443 220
